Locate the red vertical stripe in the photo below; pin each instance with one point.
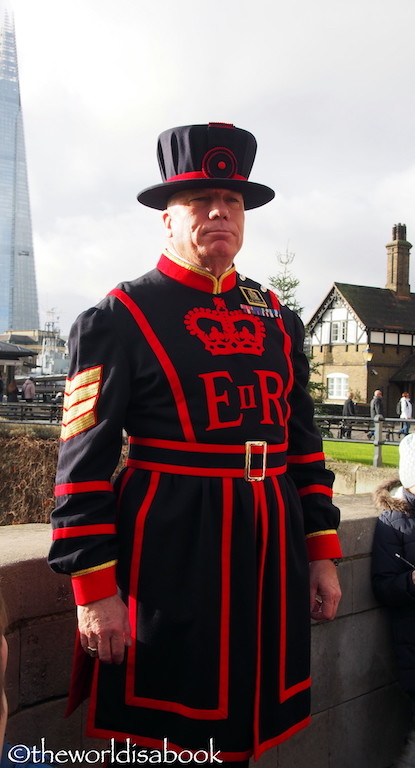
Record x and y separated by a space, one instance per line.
261 503
134 574
223 671
284 692
287 345
225 596
164 360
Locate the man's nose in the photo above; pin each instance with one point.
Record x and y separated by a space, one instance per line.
219 210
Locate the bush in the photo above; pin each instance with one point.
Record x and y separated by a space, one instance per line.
27 475
28 456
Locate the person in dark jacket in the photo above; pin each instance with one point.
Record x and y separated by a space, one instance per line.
348 410
376 409
393 562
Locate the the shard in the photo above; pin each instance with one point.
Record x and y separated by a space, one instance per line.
18 292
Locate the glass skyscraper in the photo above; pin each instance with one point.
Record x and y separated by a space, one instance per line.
18 292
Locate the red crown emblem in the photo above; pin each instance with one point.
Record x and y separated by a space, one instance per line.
225 332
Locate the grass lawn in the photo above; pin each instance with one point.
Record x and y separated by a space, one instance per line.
360 453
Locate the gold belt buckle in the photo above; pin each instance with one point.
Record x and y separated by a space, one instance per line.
248 458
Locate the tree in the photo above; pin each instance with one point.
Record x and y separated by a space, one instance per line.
285 285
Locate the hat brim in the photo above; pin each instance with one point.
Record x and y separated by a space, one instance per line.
254 195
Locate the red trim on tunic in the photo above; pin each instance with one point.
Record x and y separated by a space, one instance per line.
83 530
194 278
279 739
225 597
201 447
94 586
124 482
164 360
142 741
135 569
323 546
221 712
261 505
287 347
179 469
306 458
315 489
284 692
88 487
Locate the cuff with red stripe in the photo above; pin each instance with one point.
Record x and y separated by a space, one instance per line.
94 584
323 545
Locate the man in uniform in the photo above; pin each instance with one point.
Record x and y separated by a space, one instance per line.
196 573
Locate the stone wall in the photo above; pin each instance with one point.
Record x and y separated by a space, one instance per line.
359 713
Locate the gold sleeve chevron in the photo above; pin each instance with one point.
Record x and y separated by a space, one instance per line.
80 401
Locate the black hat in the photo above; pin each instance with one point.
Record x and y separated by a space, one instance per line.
213 155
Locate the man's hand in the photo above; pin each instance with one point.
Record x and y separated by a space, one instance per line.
325 592
104 626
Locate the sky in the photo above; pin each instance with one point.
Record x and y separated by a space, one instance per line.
327 88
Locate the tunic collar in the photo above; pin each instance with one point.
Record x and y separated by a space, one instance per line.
195 277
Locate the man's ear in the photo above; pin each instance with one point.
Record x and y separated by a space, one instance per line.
167 223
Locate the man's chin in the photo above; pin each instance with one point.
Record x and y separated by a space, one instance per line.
221 249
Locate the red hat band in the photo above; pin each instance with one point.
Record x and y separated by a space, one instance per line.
218 163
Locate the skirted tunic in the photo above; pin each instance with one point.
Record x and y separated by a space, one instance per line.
208 529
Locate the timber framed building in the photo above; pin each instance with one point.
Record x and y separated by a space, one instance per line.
363 338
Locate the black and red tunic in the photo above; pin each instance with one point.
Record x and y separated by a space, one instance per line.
206 534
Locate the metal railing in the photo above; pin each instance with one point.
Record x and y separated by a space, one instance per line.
35 413
359 429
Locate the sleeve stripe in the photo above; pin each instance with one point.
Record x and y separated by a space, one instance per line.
94 569
305 458
80 402
83 530
88 487
89 376
329 532
308 489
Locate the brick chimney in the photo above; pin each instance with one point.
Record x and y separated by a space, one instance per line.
397 275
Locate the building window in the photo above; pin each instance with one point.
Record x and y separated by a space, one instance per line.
339 332
337 386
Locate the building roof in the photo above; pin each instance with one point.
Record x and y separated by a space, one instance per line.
13 351
376 308
17 338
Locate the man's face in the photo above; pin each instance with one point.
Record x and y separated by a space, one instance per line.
205 226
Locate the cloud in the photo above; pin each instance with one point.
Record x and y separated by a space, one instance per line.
325 87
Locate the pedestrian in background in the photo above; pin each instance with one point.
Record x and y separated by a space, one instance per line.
29 390
376 409
12 392
405 413
348 410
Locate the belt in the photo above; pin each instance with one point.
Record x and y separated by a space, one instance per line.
252 461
